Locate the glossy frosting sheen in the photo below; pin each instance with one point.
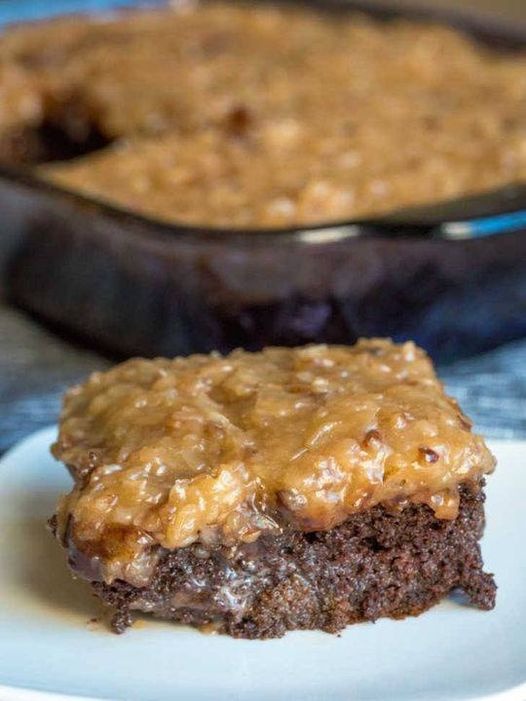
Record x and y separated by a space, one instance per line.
220 449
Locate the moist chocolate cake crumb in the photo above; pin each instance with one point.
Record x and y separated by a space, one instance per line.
379 563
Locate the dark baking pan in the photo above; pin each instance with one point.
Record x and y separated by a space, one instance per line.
451 276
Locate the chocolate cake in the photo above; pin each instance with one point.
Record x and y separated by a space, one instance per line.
250 115
263 492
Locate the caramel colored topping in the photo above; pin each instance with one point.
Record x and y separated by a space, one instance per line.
256 116
19 98
220 449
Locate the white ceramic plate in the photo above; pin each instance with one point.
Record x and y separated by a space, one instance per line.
49 650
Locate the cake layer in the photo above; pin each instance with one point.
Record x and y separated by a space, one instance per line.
221 450
376 564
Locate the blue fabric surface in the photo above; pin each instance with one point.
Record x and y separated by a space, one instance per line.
23 10
491 388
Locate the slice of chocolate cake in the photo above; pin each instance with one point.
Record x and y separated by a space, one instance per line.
262 492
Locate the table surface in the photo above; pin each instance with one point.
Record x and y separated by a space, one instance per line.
36 365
